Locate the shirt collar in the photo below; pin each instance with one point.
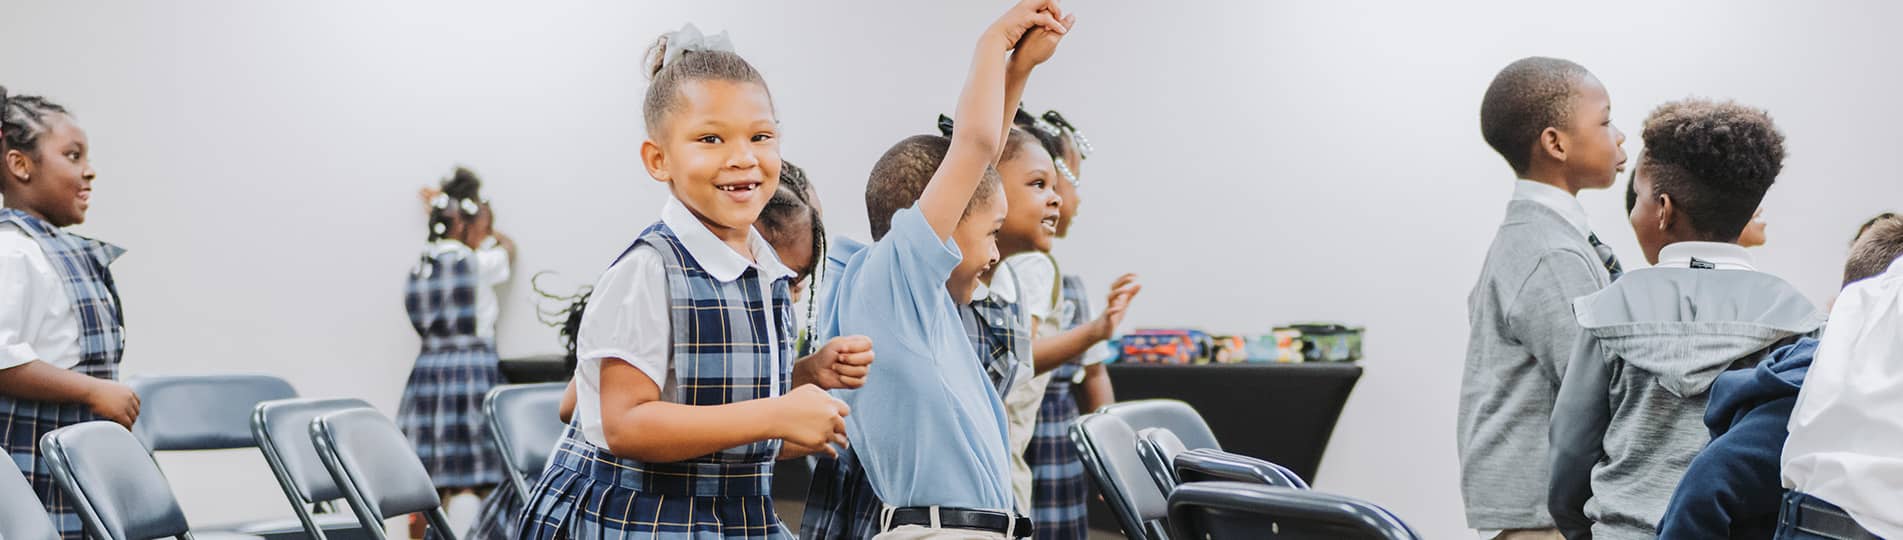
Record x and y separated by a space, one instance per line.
985 290
1556 199
714 256
1709 255
446 245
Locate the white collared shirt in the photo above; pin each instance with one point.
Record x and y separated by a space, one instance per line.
37 320
1709 255
1556 199
492 270
1846 441
627 318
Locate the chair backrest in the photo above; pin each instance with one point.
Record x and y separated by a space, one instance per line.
1170 414
22 517
202 412
376 468
1158 447
283 430
1108 448
116 487
525 421
1205 465
1240 510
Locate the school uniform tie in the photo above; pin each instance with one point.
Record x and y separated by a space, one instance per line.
1606 256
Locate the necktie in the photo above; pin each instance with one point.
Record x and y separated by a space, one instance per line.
1606 256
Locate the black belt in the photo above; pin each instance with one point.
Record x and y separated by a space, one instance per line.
1830 522
961 518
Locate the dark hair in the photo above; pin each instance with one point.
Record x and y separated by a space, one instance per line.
1878 246
1715 159
566 318
784 211
461 199
23 121
1048 135
665 78
900 176
1526 97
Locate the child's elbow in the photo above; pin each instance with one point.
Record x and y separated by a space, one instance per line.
979 142
626 445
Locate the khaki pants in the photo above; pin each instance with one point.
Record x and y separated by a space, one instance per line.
1530 534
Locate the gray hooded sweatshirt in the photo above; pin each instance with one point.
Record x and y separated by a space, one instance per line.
1630 413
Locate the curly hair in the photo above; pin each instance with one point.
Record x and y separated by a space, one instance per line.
1715 159
1526 97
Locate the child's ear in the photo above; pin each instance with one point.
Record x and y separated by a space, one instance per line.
655 161
1668 213
1553 144
19 165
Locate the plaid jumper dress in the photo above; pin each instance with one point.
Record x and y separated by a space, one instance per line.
81 263
719 355
840 503
441 408
1058 494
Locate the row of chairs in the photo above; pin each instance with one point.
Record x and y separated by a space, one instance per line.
321 451
1163 474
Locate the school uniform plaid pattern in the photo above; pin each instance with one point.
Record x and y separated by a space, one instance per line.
1058 494
497 519
720 355
81 263
441 408
840 503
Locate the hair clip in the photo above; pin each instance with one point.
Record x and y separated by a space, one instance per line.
945 125
439 227
1084 149
439 202
689 39
470 207
1064 169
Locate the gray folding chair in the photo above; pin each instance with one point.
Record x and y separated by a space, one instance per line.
22 517
376 468
524 420
1170 414
213 412
1204 465
1158 447
1220 510
283 432
116 487
1108 448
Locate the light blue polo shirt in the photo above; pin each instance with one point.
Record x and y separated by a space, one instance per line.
927 426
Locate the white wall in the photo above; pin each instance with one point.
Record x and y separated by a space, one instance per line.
260 161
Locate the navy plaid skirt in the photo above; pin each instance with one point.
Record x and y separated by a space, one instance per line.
22 423
1058 493
441 414
500 514
587 494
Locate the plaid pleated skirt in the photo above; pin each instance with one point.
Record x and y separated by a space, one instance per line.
501 513
1058 493
586 494
441 414
22 423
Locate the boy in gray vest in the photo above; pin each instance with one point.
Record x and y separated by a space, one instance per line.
1551 120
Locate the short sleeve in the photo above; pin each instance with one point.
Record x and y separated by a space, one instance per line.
492 265
898 278
626 317
1037 283
16 306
